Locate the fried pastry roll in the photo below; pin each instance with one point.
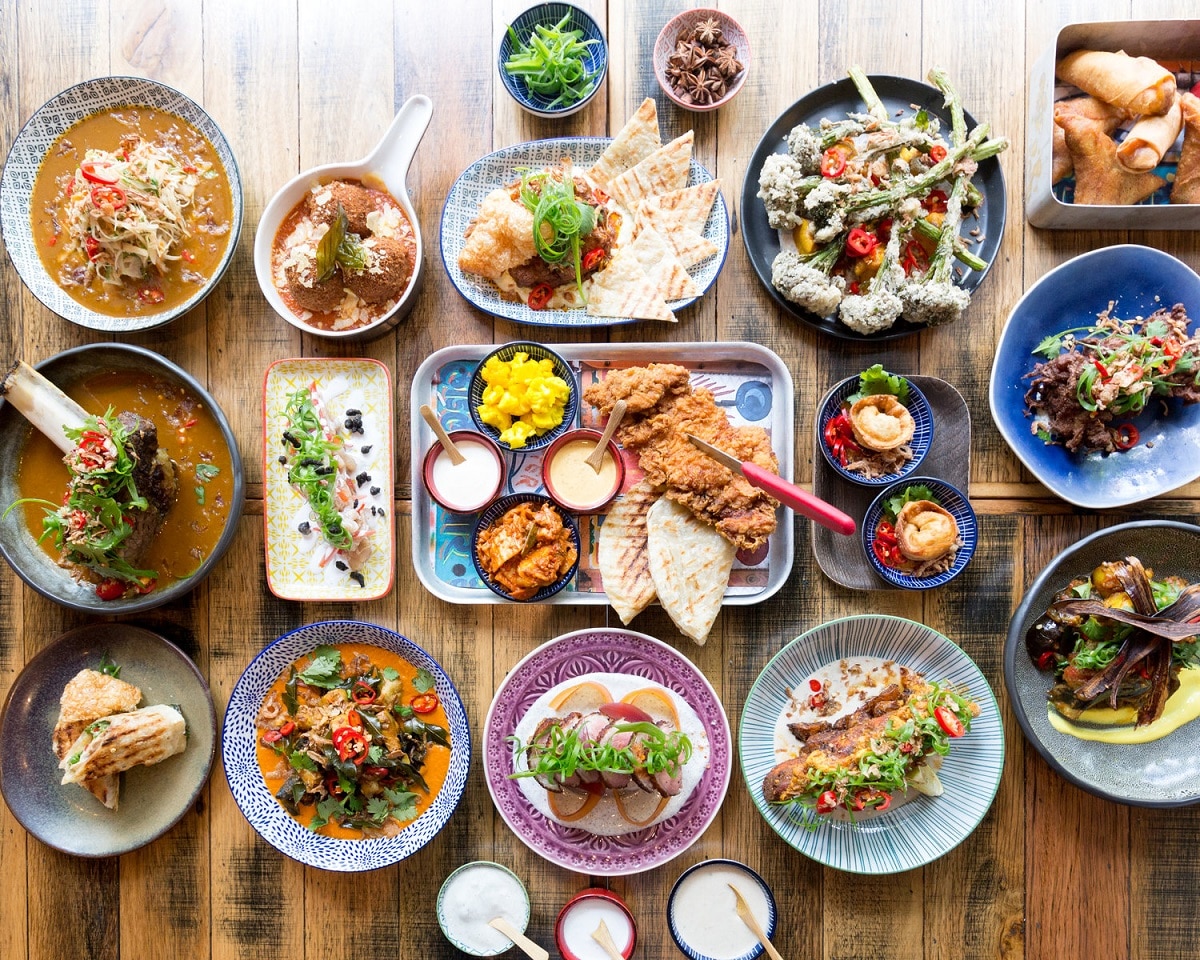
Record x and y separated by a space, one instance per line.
1105 115
1187 174
1137 84
1099 179
1149 139
881 423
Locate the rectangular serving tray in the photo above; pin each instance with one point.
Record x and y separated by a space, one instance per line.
748 380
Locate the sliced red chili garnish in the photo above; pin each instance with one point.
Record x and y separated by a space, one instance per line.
151 295
1046 660
424 702
376 772
110 589
827 802
936 200
937 153
854 288
884 803
341 734
272 736
1102 370
814 685
884 230
540 295
363 693
949 722
1126 436
592 258
915 257
333 787
353 747
833 163
288 729
91 246
98 174
816 701
861 243
108 196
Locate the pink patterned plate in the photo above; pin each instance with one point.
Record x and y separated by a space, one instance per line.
605 651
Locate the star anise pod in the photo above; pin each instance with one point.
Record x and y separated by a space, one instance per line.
693 86
708 32
728 63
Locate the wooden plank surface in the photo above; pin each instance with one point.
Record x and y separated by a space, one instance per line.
293 86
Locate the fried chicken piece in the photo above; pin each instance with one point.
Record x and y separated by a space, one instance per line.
662 408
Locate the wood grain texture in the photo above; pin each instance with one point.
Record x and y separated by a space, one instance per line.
292 86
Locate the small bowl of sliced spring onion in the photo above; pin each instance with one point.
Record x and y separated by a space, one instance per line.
553 59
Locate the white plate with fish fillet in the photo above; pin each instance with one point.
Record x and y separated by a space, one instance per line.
151 798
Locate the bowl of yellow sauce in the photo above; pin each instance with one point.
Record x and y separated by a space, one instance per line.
571 481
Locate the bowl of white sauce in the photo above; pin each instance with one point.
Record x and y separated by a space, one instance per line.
469 486
474 895
581 917
702 913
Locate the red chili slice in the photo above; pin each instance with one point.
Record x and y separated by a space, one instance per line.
288 729
424 703
861 243
592 258
833 163
540 295
936 201
362 693
108 196
948 720
1126 437
827 802
272 736
91 246
884 803
937 153
814 685
1047 660
1102 370
110 589
151 295
353 747
98 174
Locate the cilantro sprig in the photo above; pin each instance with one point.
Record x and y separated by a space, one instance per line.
918 491
875 381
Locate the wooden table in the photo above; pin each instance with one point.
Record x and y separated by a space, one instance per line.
1051 872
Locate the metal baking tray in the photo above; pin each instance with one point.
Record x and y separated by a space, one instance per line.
751 382
1175 40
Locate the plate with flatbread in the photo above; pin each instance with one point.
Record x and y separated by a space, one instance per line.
631 228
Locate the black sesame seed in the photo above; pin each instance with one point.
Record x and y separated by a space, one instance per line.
305 528
283 460
358 578
366 449
352 412
341 565
355 507
362 479
375 491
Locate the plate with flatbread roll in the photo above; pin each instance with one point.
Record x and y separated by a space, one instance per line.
587 231
112 734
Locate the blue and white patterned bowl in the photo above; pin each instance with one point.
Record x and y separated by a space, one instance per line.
922 439
595 61
36 138
913 833
505 166
239 740
951 499
494 513
691 950
536 351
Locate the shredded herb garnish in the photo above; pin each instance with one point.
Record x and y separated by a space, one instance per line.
313 466
559 220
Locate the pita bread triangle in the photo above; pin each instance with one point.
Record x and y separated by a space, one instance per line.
633 143
622 289
659 263
664 170
688 207
690 564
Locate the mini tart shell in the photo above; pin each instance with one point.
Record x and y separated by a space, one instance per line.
887 406
907 529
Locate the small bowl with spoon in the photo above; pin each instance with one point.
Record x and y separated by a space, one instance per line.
464 469
583 469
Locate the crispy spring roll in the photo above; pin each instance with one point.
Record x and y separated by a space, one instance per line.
1187 174
1099 179
1149 139
124 740
1104 114
1137 84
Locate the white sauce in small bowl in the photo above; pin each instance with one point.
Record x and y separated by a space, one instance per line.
580 920
703 912
470 485
475 894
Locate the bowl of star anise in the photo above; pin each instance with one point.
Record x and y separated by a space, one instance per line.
701 59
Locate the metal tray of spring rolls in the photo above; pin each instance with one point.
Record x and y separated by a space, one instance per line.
1171 40
949 458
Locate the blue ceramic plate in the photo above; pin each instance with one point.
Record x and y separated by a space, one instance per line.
152 799
1137 280
751 877
835 100
536 351
274 824
595 61
922 416
494 513
1164 773
504 166
915 832
34 141
949 498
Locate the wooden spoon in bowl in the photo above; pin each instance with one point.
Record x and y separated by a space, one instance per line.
750 920
519 939
439 431
603 937
595 459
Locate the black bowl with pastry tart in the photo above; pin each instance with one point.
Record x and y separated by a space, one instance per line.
874 440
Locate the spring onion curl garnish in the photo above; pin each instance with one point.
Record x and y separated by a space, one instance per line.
554 206
552 63
565 753
93 522
127 211
313 467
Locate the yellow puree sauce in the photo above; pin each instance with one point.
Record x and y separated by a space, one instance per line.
575 481
1116 726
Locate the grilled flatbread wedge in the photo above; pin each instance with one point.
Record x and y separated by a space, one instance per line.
688 207
623 554
636 140
659 263
664 170
87 697
690 564
123 740
622 289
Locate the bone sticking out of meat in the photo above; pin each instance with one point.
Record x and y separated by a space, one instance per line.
43 404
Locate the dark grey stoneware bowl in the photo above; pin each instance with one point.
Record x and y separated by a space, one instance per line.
19 546
153 798
1164 773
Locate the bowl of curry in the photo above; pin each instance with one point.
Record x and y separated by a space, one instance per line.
120 204
201 519
346 746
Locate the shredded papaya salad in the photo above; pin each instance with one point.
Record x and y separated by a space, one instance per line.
127 211
322 469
